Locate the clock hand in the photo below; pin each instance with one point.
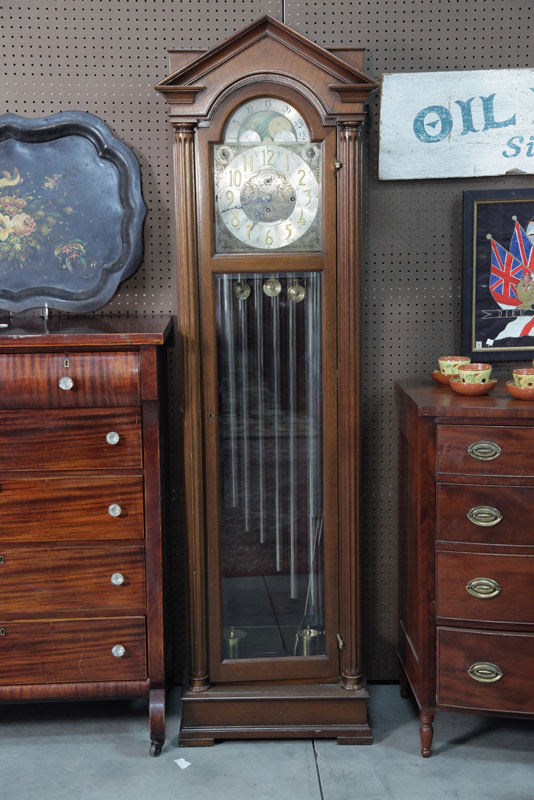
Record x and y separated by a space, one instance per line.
231 208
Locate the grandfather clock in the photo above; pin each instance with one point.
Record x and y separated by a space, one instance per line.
268 207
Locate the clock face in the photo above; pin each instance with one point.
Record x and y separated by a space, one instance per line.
267 179
267 196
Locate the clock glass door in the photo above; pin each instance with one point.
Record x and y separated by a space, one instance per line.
270 464
269 309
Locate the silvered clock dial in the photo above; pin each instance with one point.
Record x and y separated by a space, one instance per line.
267 178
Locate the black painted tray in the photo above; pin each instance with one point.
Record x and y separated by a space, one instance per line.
71 212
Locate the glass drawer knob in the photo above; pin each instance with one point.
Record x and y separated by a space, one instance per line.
114 510
112 437
117 579
118 650
66 383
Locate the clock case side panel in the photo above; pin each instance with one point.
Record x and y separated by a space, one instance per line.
286 668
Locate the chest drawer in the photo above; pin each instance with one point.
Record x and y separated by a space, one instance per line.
512 654
71 651
72 508
490 514
71 439
34 380
72 579
485 450
500 587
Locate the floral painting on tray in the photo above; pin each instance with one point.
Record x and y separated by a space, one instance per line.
66 215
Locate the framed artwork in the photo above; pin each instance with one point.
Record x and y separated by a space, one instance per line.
71 212
498 275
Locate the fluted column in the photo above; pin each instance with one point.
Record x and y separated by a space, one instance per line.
189 328
349 215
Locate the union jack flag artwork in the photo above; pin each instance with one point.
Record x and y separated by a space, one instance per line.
506 272
521 247
498 294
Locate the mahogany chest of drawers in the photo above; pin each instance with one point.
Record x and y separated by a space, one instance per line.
466 637
80 512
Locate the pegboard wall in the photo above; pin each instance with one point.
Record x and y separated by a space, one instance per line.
105 58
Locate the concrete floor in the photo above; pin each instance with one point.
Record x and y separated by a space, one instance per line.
99 751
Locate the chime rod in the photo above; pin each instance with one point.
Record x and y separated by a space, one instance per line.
307 617
229 348
275 381
292 408
245 450
311 345
318 493
258 308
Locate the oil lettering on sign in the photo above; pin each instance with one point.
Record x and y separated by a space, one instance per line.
457 124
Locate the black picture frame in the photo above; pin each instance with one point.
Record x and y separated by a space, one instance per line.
71 212
497 317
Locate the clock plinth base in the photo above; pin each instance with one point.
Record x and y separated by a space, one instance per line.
284 711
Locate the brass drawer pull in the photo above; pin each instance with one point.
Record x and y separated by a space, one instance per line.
485 516
483 588
484 451
485 672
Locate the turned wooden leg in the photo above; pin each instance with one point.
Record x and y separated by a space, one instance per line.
156 713
404 685
426 732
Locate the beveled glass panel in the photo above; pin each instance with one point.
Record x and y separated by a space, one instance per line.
270 464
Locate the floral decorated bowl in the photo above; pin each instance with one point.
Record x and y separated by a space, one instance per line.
474 373
449 364
524 377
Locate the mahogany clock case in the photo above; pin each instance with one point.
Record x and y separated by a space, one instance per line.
311 684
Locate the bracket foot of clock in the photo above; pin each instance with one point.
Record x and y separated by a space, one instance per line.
313 711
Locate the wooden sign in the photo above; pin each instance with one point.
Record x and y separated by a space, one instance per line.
457 124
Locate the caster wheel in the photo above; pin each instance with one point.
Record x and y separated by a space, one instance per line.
155 748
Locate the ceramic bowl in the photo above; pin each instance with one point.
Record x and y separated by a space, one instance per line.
440 378
520 392
472 389
524 377
474 373
449 364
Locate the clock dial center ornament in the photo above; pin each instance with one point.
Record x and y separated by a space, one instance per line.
268 196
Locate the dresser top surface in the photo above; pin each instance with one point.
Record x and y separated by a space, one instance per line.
87 331
440 401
